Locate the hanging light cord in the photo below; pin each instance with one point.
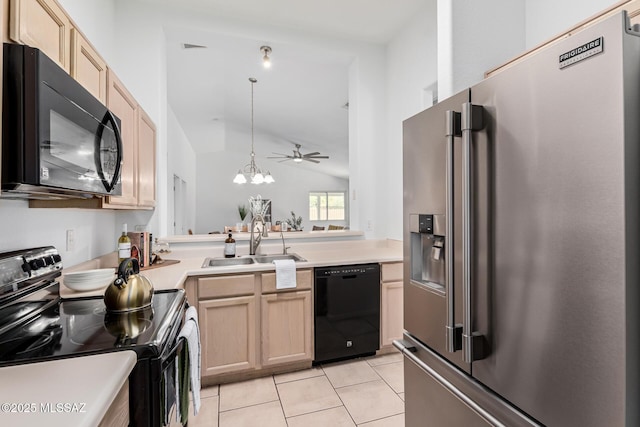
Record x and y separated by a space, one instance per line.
252 153
252 168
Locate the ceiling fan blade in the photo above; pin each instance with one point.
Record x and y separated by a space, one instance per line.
285 160
317 157
310 160
282 154
311 154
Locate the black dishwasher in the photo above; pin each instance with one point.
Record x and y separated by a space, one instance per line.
347 312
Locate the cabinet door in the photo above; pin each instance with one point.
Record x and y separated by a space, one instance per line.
286 327
391 313
146 161
87 67
124 106
42 24
228 327
118 413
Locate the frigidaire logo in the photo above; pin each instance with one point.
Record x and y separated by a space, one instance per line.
585 51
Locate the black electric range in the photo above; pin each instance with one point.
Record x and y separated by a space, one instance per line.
82 326
37 325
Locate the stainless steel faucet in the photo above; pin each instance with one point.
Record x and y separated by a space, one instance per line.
254 242
284 248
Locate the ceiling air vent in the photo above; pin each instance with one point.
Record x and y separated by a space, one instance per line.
192 46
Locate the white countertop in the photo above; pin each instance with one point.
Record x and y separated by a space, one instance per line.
319 235
317 254
85 386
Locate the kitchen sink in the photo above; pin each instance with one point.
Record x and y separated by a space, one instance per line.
222 262
249 259
269 258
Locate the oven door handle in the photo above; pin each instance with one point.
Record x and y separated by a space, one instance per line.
171 355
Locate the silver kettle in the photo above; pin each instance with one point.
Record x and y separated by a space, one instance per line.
130 291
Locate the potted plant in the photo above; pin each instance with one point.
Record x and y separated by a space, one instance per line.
295 223
242 211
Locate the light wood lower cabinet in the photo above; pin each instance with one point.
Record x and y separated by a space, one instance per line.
286 327
118 413
248 326
228 334
391 303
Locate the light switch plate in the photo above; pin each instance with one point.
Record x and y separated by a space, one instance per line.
71 240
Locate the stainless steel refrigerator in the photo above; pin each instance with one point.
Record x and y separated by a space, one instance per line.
522 245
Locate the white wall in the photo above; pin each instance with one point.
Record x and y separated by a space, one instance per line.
141 65
547 18
383 88
96 19
411 70
217 198
474 37
368 142
181 162
21 227
141 51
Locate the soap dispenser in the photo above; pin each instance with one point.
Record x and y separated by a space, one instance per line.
229 247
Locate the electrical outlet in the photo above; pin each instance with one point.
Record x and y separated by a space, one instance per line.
370 225
71 240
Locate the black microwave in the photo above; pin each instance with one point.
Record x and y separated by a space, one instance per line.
58 140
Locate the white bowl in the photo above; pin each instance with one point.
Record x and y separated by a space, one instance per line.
89 284
90 274
83 278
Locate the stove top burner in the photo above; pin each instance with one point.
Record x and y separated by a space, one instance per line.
32 345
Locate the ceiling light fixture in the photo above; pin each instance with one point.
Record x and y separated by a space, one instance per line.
266 61
251 170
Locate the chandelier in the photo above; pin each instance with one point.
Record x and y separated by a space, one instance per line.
251 170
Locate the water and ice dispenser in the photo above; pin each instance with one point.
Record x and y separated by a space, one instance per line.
428 259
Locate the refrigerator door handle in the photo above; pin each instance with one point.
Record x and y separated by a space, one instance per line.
408 351
453 331
472 120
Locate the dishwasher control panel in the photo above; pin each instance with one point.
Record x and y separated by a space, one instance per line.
347 270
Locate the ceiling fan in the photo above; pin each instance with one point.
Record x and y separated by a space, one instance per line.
298 156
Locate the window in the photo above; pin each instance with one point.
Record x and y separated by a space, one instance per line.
326 205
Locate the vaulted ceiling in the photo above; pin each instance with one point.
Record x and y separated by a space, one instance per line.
300 99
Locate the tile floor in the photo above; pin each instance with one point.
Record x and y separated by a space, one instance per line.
367 392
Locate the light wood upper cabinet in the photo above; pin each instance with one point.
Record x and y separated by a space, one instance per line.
88 67
146 161
138 172
42 24
124 106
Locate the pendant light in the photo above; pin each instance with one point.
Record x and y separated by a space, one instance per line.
251 170
266 60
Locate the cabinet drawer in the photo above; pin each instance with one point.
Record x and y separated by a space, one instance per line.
223 286
392 272
303 281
